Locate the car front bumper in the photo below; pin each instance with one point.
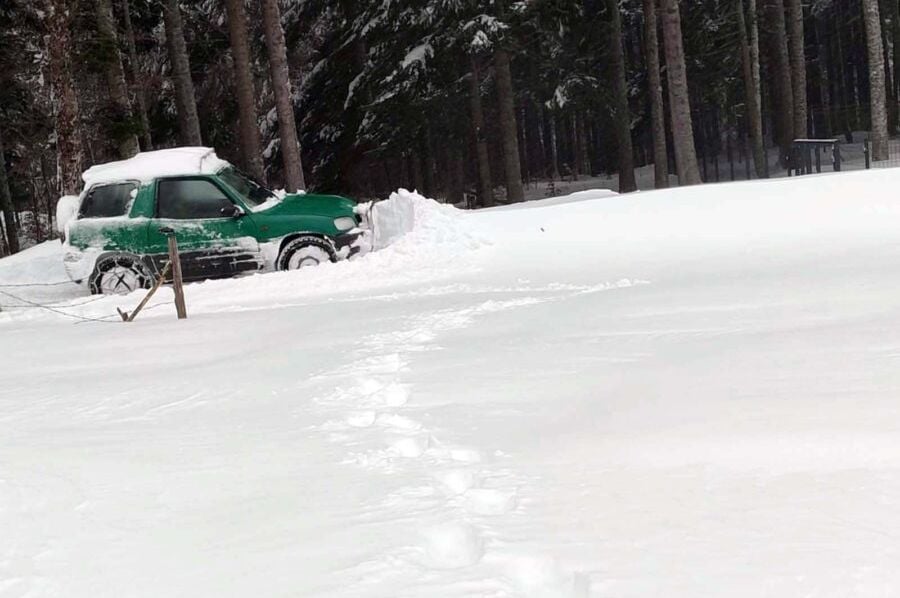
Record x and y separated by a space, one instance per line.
78 263
352 244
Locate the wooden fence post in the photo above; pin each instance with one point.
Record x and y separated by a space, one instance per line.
177 282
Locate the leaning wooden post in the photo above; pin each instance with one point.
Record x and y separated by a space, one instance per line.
177 282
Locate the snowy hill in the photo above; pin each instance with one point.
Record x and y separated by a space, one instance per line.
690 392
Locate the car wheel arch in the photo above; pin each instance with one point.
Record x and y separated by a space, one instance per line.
287 239
319 239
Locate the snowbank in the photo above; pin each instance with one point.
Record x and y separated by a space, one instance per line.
415 221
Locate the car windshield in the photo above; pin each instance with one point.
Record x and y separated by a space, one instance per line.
251 192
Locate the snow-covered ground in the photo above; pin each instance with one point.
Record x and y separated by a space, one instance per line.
682 393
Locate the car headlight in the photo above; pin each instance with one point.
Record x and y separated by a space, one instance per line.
345 223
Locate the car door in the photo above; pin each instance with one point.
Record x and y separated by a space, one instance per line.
104 219
216 236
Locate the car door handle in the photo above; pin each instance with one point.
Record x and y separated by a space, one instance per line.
167 230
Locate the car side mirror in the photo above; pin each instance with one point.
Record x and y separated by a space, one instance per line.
232 211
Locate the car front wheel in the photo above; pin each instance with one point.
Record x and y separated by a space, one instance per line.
305 252
118 275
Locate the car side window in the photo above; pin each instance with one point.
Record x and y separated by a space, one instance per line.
190 199
108 201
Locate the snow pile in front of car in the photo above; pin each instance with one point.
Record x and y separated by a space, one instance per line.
407 220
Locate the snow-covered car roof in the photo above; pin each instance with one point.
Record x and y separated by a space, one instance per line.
147 166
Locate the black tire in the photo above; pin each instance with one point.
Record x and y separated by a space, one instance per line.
304 252
118 275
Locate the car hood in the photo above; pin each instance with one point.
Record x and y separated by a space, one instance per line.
309 204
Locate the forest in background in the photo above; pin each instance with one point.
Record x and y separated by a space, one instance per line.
451 97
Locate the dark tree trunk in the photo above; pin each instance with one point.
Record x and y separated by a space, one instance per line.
539 143
506 108
554 148
823 64
137 80
185 101
657 107
895 35
798 66
244 88
679 97
48 192
418 178
508 128
122 125
888 74
576 157
522 124
781 75
6 205
485 184
842 84
428 165
750 62
582 152
281 87
68 137
457 182
877 95
621 112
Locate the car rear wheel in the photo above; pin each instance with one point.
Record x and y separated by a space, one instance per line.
305 252
119 275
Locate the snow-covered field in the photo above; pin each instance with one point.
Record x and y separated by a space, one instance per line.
693 392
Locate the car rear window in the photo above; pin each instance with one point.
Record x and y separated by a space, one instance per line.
108 201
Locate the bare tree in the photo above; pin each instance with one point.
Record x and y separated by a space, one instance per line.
621 112
876 80
125 138
186 102
65 102
485 186
798 66
750 63
679 97
246 94
281 87
657 107
137 81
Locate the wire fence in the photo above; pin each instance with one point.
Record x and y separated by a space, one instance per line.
51 308
57 308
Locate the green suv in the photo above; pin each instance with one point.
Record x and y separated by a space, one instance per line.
226 224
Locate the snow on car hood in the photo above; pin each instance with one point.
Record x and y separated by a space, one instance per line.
306 203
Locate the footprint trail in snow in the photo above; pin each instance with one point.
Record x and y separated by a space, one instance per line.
460 489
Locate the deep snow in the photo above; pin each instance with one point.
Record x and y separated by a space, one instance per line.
679 393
